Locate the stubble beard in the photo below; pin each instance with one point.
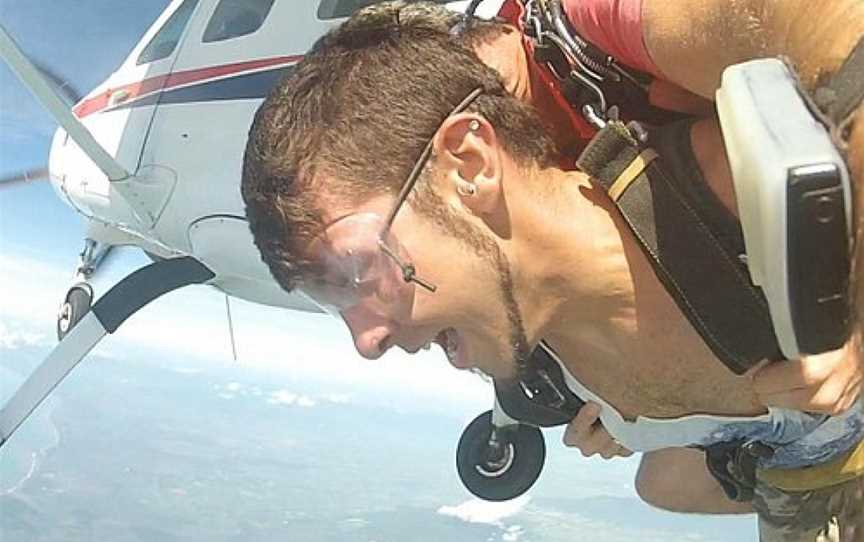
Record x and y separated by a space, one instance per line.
432 205
520 348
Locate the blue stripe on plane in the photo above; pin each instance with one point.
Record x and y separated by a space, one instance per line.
242 87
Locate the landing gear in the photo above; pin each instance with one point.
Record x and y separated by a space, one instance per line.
79 297
78 300
498 463
501 453
107 314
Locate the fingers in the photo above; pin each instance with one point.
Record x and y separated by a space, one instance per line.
827 383
828 399
594 443
590 437
580 428
613 449
787 375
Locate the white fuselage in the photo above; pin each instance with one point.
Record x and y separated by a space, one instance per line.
176 115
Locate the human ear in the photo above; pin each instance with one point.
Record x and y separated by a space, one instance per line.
468 151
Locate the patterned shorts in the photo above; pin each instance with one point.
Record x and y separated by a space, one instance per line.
832 514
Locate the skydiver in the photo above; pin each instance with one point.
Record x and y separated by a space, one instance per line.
493 194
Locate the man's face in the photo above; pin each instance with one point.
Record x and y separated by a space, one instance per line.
472 314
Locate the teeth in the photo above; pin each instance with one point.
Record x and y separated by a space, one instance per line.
448 340
451 347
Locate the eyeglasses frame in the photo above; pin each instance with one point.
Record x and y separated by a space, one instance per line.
409 272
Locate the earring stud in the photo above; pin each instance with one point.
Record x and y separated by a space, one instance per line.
466 189
474 125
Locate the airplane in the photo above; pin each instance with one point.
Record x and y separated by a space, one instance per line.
138 157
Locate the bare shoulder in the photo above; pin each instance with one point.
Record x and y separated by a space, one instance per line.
692 41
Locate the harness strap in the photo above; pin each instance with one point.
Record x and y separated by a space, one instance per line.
631 173
708 282
841 470
583 75
841 97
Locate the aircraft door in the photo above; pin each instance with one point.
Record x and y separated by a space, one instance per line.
235 51
119 113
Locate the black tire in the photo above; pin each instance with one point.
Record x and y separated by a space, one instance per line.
78 300
520 469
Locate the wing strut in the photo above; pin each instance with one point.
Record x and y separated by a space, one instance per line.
112 309
48 97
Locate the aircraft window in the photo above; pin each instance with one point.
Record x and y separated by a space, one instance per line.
166 40
334 9
235 18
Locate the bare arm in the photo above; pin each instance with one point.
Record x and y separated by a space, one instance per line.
692 42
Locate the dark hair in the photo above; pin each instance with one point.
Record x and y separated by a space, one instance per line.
352 119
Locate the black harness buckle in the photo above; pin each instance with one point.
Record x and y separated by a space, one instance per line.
541 397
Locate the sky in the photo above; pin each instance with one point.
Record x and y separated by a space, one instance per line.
40 238
39 232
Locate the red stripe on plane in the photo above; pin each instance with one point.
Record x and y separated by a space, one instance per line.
165 82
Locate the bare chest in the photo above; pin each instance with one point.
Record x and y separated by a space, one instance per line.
657 366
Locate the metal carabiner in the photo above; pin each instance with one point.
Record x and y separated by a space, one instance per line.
531 20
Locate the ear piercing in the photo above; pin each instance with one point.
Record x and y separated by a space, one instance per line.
466 189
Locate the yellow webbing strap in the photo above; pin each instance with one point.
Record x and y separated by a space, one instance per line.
630 173
844 469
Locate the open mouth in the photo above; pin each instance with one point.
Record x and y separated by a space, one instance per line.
450 341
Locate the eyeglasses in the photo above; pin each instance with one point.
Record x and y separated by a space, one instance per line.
362 261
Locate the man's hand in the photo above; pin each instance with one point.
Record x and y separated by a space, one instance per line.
828 383
591 438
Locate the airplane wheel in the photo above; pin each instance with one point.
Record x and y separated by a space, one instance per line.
79 298
503 471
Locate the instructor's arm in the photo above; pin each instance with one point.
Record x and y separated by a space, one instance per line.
691 42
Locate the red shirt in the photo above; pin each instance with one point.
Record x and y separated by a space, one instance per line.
615 26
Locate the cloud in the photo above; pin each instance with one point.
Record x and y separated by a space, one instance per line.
12 339
490 513
31 290
285 397
188 329
282 397
187 370
337 398
512 533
